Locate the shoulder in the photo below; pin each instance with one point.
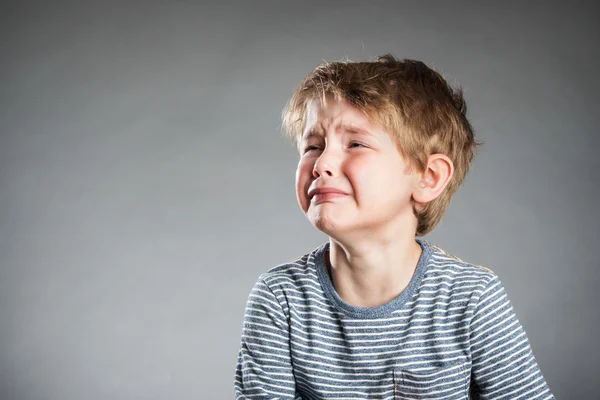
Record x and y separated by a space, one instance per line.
296 272
449 269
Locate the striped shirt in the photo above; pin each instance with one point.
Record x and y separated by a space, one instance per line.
451 334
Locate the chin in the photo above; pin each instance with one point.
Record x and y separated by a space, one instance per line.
327 224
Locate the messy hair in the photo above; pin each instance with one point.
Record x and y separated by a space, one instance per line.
411 101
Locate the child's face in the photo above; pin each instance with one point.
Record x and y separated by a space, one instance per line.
360 169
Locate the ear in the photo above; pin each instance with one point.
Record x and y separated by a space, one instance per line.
434 179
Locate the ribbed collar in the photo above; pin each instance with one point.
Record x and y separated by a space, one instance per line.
377 311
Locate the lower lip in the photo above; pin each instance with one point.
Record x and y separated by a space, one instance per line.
327 196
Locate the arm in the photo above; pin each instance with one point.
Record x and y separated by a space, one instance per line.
503 364
264 366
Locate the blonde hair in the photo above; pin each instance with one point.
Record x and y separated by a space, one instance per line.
412 102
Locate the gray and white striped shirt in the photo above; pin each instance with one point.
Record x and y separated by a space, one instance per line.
451 334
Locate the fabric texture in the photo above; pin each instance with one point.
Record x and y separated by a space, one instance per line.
451 334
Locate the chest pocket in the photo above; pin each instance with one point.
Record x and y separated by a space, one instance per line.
447 382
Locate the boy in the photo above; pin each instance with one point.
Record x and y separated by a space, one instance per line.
376 313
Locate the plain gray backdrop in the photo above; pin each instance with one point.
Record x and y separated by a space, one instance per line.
145 184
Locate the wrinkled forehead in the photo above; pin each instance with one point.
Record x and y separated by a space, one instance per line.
330 112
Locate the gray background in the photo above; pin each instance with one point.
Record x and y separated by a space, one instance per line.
144 182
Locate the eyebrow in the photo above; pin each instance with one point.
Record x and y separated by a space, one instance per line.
308 134
356 129
352 129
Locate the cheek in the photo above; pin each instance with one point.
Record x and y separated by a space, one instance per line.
305 168
303 179
363 175
374 180
299 180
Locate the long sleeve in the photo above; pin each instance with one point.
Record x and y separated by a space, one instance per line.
264 366
503 365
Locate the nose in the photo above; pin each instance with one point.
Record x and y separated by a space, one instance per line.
325 164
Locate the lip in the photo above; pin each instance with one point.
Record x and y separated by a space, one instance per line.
325 190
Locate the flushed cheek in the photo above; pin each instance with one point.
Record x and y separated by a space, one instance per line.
303 180
362 181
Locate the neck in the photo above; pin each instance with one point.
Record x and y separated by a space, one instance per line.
372 272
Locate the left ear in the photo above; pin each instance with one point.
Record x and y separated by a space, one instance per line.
434 179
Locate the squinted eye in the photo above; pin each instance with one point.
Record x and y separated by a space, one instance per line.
357 144
309 148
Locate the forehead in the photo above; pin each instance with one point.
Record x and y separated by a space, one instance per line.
332 113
